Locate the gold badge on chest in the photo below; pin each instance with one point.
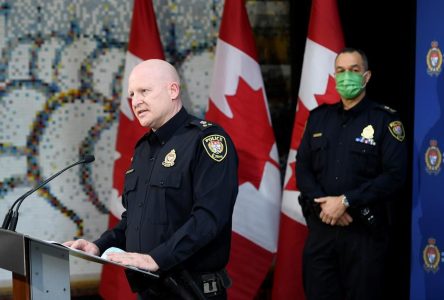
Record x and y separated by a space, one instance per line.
170 158
367 136
368 132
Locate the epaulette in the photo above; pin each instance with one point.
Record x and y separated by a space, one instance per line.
202 124
386 108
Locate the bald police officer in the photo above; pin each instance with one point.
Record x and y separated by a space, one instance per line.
179 195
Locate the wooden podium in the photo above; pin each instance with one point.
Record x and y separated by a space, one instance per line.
40 269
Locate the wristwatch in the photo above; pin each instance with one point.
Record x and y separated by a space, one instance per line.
345 201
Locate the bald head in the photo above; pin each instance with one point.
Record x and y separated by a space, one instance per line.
156 69
154 89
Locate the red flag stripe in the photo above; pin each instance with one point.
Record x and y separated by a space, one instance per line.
144 41
241 36
247 280
288 275
325 25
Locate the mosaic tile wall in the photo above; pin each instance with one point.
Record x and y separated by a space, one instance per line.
61 64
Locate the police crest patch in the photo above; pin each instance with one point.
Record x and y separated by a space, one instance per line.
433 158
431 256
434 59
216 146
397 130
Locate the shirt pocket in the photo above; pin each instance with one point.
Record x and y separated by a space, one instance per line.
129 195
129 189
164 192
365 160
318 149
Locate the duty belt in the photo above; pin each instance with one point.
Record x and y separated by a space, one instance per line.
205 284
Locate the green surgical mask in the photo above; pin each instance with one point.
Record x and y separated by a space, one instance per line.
349 84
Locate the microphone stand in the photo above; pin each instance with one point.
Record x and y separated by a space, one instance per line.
11 218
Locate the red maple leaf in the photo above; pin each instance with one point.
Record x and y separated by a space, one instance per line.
331 95
249 129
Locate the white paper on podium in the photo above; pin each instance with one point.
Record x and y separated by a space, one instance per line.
98 259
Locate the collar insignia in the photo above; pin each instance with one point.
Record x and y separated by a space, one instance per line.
205 123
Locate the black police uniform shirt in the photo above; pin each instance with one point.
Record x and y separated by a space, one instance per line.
358 152
179 196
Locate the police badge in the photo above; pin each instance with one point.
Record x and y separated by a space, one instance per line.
434 59
431 256
367 135
433 158
170 158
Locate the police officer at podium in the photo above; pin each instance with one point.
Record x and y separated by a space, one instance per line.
179 195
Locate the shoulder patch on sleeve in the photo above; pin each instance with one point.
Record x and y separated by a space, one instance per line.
397 130
216 146
202 124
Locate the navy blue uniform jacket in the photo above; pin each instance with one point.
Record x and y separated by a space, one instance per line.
179 196
360 152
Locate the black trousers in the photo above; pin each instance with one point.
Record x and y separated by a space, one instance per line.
344 263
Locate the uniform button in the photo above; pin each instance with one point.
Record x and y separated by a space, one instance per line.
152 158
140 204
344 125
137 228
336 177
340 143
161 182
338 161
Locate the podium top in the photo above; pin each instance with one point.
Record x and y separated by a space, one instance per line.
14 253
98 259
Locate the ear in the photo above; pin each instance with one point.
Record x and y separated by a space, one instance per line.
174 90
368 75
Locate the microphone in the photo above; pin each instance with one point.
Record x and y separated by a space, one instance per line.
11 218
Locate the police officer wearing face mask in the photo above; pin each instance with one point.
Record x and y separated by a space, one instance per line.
351 161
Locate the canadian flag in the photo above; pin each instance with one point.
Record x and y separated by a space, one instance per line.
144 43
239 104
317 86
